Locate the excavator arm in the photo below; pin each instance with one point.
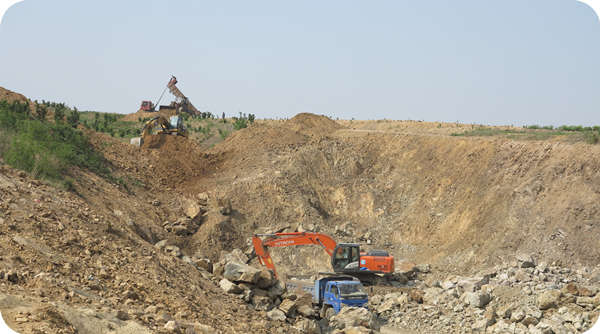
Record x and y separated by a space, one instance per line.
288 239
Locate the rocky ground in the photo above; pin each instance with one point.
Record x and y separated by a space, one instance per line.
66 267
520 297
154 252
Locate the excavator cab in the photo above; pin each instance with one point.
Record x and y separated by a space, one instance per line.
346 258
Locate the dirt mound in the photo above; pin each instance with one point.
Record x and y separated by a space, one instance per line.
168 143
312 125
261 137
175 160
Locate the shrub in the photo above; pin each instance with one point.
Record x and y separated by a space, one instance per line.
223 134
68 184
240 123
571 128
592 137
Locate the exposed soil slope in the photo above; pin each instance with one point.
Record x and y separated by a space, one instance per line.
11 96
462 203
87 264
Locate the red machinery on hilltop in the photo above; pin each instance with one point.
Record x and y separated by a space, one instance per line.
147 106
345 257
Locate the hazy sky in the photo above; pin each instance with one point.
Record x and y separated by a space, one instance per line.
504 62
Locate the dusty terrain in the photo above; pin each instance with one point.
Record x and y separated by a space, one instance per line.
87 261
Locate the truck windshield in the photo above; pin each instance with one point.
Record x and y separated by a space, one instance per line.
351 289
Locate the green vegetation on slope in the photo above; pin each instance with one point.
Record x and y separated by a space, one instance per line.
590 135
111 124
45 149
205 129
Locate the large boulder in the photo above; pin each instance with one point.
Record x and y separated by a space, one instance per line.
229 286
261 302
432 296
306 311
277 289
172 326
265 279
288 307
308 326
548 299
353 317
391 301
238 272
192 208
477 299
204 263
276 314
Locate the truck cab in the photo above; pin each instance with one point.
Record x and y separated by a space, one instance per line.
335 292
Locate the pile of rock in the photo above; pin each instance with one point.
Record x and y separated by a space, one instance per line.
521 297
255 286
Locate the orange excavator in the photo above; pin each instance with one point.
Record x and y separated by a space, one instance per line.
346 258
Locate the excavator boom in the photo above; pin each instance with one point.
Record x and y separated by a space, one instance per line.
288 239
345 258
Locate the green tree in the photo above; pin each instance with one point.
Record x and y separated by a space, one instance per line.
73 118
59 114
42 111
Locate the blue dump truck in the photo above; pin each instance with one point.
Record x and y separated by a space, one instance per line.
331 293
